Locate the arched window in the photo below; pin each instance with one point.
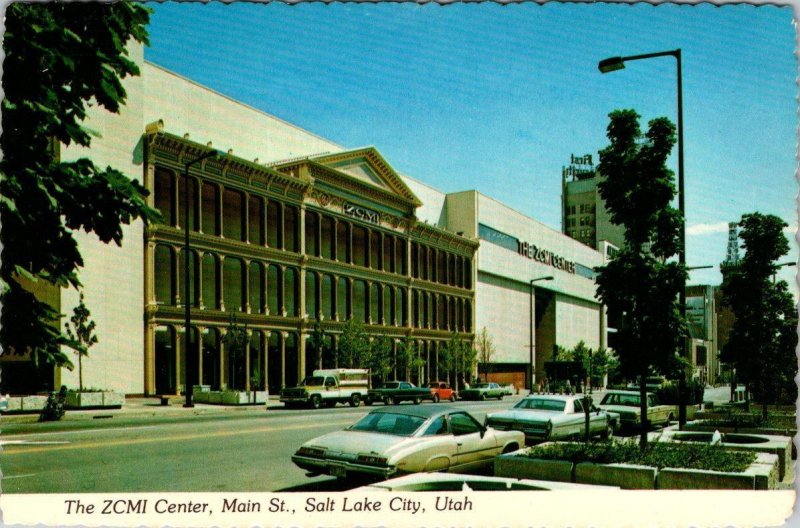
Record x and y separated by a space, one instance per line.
375 250
233 215
414 260
255 212
343 307
468 273
274 282
274 363
211 360
164 270
291 225
181 190
311 233
388 253
164 194
290 290
359 246
292 357
342 242
194 297
233 282
415 308
468 315
328 237
210 209
388 306
360 301
257 361
210 284
328 300
400 257
434 311
423 257
375 303
311 295
273 224
166 374
256 287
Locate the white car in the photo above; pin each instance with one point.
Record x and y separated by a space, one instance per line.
459 482
398 440
553 417
626 405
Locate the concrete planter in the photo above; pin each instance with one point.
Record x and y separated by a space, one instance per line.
94 400
26 404
230 397
625 476
760 443
762 474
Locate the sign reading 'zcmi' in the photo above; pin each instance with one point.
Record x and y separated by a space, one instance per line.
362 213
545 257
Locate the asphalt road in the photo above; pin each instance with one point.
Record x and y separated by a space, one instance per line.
225 452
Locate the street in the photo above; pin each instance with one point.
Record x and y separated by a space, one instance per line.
233 451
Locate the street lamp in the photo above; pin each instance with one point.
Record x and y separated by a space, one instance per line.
781 265
187 302
617 63
533 319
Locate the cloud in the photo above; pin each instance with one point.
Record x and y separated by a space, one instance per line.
707 229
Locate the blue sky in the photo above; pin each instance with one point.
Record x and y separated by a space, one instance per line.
496 98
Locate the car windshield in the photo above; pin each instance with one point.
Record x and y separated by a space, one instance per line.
481 386
389 423
543 404
390 385
313 381
433 385
611 398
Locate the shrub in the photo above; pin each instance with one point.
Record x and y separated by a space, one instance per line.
658 454
668 393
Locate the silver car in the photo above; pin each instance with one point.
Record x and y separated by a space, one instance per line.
553 417
399 440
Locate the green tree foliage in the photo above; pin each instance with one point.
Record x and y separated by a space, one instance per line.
317 338
599 363
380 357
80 332
485 349
639 282
354 346
407 358
457 359
763 339
59 59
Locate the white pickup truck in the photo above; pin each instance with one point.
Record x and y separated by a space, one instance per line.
327 387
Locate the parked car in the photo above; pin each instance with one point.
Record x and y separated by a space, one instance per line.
398 440
481 391
508 389
394 392
441 390
460 482
553 417
627 405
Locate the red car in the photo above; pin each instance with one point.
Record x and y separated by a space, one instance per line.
440 390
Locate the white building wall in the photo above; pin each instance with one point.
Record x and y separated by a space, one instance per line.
577 320
113 276
505 312
186 106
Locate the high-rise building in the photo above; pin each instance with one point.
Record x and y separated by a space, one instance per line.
584 216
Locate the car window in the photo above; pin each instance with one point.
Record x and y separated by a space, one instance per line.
437 427
405 385
578 406
389 423
329 382
462 424
651 400
545 404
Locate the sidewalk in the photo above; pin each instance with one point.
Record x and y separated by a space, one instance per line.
143 407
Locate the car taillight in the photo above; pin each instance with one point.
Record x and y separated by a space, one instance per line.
372 460
311 451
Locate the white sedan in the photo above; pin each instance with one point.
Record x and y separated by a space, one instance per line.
398 440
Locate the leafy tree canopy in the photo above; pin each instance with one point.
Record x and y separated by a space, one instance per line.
60 58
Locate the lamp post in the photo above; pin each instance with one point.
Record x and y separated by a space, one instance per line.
781 265
187 301
532 321
617 63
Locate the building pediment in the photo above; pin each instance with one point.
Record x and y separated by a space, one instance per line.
363 170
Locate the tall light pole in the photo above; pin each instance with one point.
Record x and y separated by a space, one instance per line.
617 63
187 300
781 265
532 321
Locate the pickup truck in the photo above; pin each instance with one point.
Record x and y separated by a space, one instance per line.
394 392
327 387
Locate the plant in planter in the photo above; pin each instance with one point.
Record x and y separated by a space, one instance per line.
255 382
80 331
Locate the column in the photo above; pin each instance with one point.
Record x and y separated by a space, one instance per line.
223 382
335 240
220 227
301 356
198 200
335 297
149 359
283 359
199 352
179 366
176 278
246 287
349 242
247 220
335 345
281 226
247 362
381 256
282 291
368 302
301 226
175 196
221 282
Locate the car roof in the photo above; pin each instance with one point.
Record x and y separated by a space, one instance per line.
626 392
560 397
422 411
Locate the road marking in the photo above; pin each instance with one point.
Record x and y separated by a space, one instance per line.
157 439
6 477
31 442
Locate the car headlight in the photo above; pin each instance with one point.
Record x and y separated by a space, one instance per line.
372 460
316 452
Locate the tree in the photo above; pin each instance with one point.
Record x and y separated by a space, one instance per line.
80 331
640 283
407 358
763 339
235 340
485 349
458 359
317 338
64 58
380 357
353 345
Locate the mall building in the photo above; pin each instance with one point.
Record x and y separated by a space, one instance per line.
290 231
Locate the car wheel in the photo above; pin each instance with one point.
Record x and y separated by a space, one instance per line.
315 401
500 397
482 397
417 401
368 401
387 400
435 398
606 433
510 448
355 400
395 401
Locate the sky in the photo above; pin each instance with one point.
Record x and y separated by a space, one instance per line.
497 98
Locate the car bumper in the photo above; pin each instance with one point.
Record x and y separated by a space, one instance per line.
340 468
530 432
294 399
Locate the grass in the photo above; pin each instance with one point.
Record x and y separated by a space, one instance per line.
657 454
